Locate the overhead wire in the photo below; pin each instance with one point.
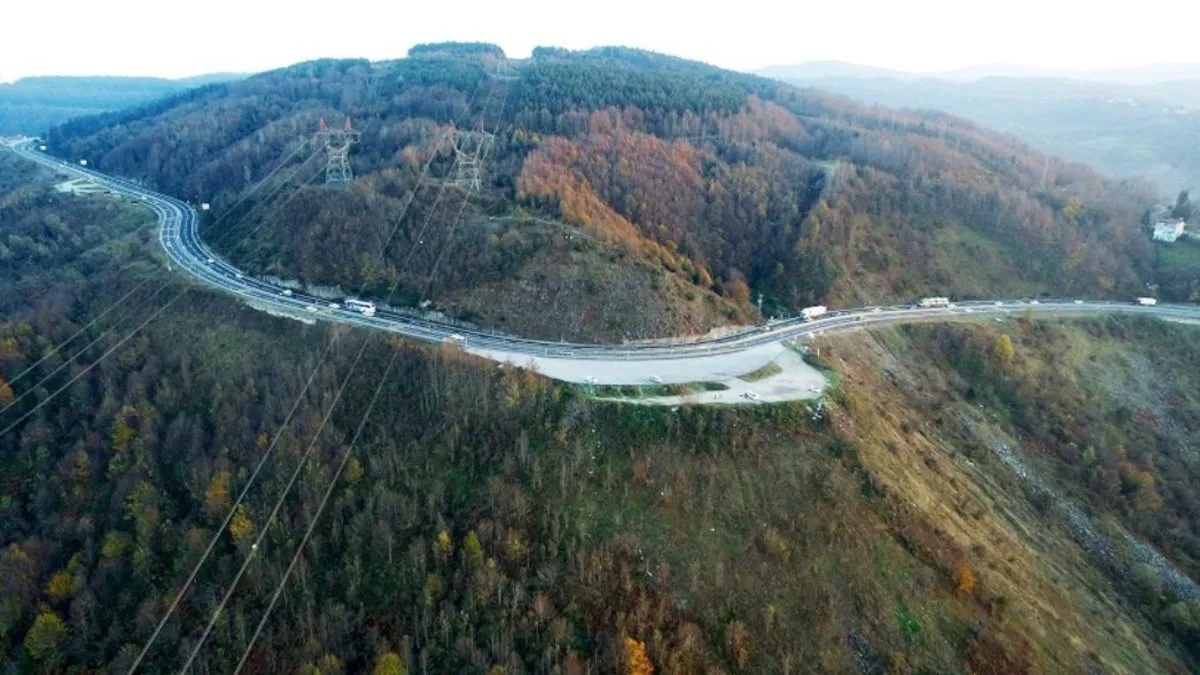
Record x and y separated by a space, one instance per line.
299 466
165 218
249 484
399 219
145 281
349 448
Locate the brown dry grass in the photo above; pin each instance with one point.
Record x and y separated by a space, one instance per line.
1040 583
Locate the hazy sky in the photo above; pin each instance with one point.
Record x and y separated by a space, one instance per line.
175 38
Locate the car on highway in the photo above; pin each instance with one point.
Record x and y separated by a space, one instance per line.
287 293
210 261
1034 302
750 395
334 305
311 308
1079 302
239 275
656 379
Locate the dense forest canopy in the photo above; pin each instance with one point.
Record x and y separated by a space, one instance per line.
622 171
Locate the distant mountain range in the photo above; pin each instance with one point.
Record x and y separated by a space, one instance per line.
1134 122
1138 75
34 104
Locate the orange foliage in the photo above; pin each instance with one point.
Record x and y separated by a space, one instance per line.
964 578
637 661
631 189
738 291
6 392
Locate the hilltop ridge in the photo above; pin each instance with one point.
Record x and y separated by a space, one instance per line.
663 196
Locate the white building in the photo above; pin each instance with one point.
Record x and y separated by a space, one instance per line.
1168 230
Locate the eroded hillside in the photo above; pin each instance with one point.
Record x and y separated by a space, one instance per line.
1057 461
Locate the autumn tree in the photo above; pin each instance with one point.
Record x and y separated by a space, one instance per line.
216 497
61 586
443 546
738 291
637 659
240 526
964 578
1002 349
472 549
739 643
389 664
354 471
6 392
45 637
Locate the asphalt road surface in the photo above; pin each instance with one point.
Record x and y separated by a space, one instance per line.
672 361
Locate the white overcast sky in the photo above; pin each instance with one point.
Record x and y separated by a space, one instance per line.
174 38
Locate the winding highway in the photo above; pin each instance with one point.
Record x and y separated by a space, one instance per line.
670 361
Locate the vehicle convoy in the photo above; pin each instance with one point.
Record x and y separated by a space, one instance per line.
361 306
934 302
1146 302
810 313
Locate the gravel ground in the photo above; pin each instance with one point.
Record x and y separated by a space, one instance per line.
796 381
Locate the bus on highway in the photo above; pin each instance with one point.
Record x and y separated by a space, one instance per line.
365 308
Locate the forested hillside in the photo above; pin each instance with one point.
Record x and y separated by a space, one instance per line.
34 104
490 521
658 196
1126 131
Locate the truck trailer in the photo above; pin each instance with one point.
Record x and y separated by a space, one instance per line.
810 313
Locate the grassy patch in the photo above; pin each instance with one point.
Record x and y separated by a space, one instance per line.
1182 256
769 370
639 391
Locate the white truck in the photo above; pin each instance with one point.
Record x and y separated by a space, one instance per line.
810 313
361 306
933 302
1146 302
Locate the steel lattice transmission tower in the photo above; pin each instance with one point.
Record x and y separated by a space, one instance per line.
337 144
470 149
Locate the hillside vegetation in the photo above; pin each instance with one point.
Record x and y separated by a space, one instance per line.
1046 450
1126 131
663 196
489 521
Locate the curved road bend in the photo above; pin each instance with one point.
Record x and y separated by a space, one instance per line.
675 361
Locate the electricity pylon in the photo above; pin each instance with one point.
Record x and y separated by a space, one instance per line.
337 147
470 149
505 72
